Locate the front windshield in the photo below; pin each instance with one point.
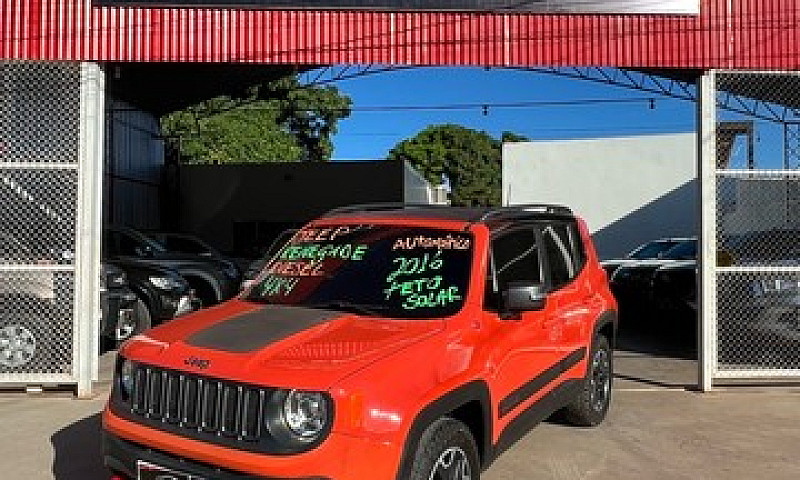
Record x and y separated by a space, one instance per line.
393 271
652 250
683 251
146 241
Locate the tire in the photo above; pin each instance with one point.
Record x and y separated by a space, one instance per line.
446 450
141 321
591 405
20 345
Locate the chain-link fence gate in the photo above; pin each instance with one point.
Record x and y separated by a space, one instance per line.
756 276
42 145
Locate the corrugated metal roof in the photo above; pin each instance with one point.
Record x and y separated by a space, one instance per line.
749 34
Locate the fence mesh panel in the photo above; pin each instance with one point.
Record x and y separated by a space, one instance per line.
758 226
39 147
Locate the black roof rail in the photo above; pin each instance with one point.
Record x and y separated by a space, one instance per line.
468 214
377 207
513 211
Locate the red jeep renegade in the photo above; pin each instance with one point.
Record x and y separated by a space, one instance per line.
381 342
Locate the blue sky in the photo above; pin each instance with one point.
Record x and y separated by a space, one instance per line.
370 134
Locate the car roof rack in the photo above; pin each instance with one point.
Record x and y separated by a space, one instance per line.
468 214
526 210
377 207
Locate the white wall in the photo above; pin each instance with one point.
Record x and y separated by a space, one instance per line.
417 189
629 190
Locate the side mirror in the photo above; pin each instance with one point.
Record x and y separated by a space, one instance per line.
524 296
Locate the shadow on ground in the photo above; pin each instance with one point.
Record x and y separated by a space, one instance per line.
78 451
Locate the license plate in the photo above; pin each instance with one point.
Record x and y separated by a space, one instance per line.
149 471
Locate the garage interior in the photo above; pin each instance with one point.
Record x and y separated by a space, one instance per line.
754 176
61 182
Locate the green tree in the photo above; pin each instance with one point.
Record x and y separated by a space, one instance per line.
280 121
467 159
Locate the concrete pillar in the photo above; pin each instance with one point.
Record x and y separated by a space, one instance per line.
707 251
89 228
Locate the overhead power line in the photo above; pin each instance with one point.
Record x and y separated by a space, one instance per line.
648 101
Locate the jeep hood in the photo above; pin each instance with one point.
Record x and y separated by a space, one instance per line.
274 345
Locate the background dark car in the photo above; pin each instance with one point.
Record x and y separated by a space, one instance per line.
190 244
161 292
674 288
119 307
213 280
632 284
674 285
646 251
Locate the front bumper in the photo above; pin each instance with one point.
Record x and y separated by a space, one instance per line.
120 456
340 457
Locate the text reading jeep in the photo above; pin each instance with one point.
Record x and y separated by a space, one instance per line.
381 342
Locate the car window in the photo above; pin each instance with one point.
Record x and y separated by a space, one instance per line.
686 250
395 271
578 248
515 256
559 253
652 250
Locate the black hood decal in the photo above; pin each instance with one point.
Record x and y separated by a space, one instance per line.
255 330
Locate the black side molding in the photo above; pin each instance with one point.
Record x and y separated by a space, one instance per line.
555 399
523 393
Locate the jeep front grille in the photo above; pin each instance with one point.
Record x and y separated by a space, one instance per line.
220 411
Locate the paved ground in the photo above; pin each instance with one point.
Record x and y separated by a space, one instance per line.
657 429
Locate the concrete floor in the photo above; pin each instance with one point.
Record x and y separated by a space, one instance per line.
656 429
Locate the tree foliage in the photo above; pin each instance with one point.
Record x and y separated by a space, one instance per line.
280 121
467 159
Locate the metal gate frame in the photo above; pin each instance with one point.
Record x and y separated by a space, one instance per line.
56 171
711 371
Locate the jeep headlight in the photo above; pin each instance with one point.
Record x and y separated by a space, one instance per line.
296 417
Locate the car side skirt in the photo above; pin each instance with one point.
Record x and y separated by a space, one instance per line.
557 398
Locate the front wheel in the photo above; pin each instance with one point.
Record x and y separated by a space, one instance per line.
446 451
591 405
19 345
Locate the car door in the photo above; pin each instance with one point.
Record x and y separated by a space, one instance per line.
570 297
524 347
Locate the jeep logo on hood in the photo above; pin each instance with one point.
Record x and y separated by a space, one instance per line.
197 363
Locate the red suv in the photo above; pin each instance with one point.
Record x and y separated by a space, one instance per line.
381 342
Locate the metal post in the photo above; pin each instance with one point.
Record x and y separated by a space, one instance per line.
88 228
707 281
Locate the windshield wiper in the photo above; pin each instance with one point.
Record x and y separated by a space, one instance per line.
371 310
